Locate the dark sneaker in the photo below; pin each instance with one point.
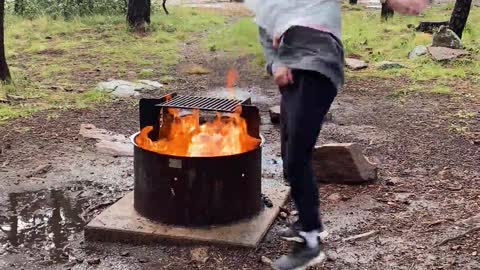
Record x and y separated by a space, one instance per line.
301 257
292 233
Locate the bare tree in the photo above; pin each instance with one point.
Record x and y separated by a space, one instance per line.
4 71
459 17
138 15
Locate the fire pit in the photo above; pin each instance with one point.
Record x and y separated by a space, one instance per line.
197 165
197 160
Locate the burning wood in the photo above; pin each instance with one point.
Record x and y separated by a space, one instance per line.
188 136
226 135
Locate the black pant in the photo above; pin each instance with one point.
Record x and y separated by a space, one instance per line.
303 107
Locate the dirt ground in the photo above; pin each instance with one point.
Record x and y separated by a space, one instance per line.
53 181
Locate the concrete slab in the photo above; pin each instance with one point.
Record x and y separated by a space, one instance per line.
120 222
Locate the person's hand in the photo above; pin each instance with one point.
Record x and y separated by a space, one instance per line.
283 76
409 7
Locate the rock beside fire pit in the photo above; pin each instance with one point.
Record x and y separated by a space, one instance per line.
342 163
110 143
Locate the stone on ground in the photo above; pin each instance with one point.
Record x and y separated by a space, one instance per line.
109 143
199 254
275 114
384 65
446 38
355 64
342 163
335 197
418 51
116 149
121 88
442 53
125 91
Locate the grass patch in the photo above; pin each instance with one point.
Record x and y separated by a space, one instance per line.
92 97
47 55
441 90
196 70
365 36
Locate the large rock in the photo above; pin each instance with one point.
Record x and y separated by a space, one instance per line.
446 38
442 53
121 88
115 149
384 65
108 142
418 51
111 85
125 91
355 64
342 163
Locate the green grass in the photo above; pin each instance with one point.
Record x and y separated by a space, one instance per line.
47 54
365 36
92 97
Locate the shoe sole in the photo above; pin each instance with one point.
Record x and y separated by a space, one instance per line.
323 236
317 260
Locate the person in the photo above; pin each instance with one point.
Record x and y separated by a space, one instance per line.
301 40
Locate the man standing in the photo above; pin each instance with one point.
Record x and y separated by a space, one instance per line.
301 41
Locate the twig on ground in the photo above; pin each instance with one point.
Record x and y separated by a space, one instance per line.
434 223
476 228
360 236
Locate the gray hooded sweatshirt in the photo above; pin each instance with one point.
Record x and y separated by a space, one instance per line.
309 32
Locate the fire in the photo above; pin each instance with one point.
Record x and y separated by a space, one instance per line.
232 77
226 135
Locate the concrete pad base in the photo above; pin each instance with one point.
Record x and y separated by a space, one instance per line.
120 222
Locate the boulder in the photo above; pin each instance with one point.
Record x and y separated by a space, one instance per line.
115 149
125 91
121 88
342 163
418 51
110 86
275 114
446 38
442 53
355 64
384 65
108 142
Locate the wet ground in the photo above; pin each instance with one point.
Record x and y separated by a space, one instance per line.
53 182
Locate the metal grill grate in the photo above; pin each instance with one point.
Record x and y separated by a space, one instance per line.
202 103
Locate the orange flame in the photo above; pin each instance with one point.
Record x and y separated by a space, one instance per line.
232 77
226 135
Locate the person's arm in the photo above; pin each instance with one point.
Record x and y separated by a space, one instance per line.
270 52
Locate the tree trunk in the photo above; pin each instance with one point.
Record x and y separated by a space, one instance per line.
4 71
387 12
352 2
460 16
138 14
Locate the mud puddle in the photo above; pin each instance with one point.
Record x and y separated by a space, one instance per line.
44 222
